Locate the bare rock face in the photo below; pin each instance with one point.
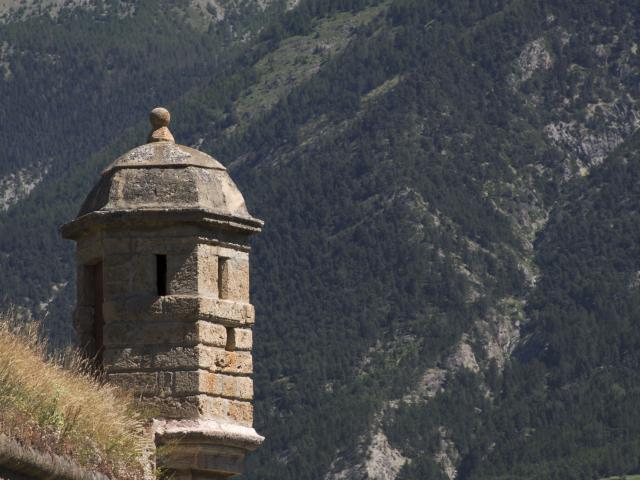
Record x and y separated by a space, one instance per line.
447 455
463 357
533 57
383 461
587 143
17 186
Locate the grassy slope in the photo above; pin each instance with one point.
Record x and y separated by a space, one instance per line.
57 406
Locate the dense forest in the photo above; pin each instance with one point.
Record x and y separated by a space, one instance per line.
450 256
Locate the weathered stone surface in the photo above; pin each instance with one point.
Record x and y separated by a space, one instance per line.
226 312
202 381
147 307
216 384
182 273
165 333
144 383
243 338
212 334
226 409
89 249
117 246
203 406
138 180
150 357
211 446
236 280
207 270
162 357
237 387
160 118
218 360
175 407
197 381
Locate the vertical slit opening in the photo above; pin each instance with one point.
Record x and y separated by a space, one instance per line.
231 339
223 272
161 274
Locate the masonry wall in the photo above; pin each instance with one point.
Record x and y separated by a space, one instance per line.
188 351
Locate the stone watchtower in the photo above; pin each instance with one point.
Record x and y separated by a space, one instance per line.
163 298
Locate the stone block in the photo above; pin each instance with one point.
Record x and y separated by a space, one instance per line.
207 270
223 361
226 312
180 307
118 272
89 249
211 334
237 387
236 280
115 289
150 357
241 412
226 409
142 274
141 306
196 382
216 384
163 357
136 333
149 246
111 246
182 273
151 308
143 383
174 407
202 406
243 338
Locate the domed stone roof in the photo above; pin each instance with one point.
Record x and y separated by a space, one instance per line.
162 176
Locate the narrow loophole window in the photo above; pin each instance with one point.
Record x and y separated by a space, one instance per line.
223 277
231 339
161 274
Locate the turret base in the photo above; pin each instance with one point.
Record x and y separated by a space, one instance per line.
203 449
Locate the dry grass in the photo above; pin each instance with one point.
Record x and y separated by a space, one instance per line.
57 405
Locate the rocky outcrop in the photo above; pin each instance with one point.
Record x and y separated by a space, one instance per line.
532 58
588 142
17 186
381 461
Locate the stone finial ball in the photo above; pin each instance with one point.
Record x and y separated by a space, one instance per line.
159 117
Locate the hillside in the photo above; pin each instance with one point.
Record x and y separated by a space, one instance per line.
57 420
446 285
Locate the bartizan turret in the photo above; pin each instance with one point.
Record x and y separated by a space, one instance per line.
163 299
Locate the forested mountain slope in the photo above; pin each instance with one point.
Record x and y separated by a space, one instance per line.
447 282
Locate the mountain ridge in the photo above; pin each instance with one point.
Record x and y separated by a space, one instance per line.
414 182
